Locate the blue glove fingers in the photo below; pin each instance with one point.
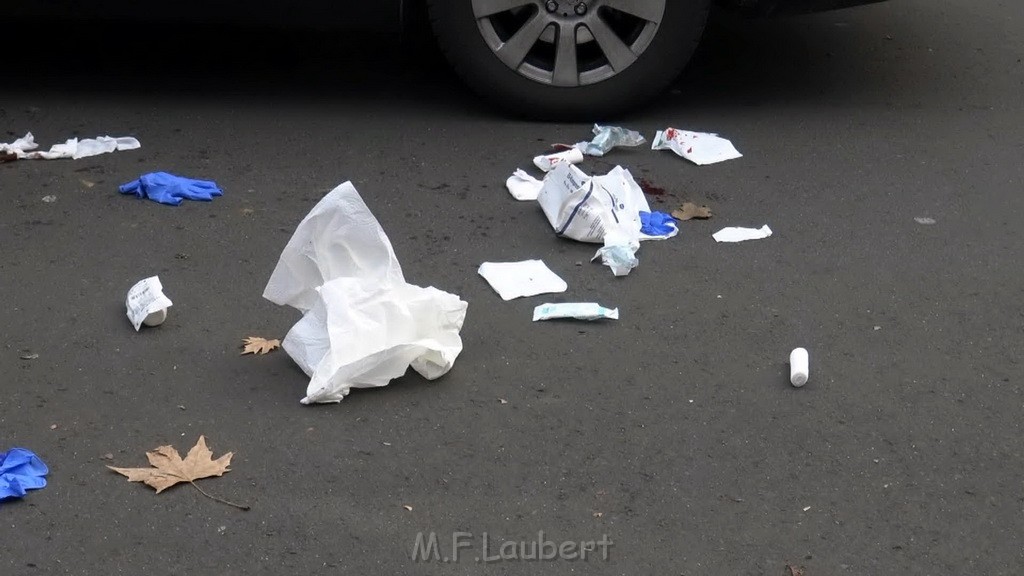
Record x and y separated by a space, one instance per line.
207 193
200 183
208 187
166 194
133 187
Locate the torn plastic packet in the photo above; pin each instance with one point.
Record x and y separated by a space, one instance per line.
586 208
146 303
608 137
619 253
18 148
549 162
736 234
522 186
72 148
20 470
363 324
574 310
698 147
520 279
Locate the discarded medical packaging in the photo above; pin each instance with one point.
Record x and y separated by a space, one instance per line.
146 303
575 310
74 148
363 324
698 147
548 162
619 252
522 186
586 208
520 279
608 137
737 234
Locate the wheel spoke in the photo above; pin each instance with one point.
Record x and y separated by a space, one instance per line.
513 52
486 8
619 55
644 9
566 69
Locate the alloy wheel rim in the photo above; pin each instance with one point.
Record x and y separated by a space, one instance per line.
568 43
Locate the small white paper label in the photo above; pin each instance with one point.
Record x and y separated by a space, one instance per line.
145 298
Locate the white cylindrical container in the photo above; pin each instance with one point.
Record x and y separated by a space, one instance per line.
799 365
156 318
547 163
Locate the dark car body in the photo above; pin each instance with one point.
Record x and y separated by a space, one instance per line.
366 15
547 59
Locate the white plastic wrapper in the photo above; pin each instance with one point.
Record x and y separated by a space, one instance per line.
698 147
608 137
520 279
363 324
549 162
619 253
20 146
574 310
587 208
522 186
737 234
72 148
146 303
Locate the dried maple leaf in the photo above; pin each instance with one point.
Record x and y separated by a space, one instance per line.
257 345
169 468
690 210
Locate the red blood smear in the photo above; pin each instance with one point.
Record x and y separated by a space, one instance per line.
651 189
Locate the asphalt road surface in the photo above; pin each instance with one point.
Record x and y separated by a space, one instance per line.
673 432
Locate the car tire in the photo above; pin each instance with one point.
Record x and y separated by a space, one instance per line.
516 52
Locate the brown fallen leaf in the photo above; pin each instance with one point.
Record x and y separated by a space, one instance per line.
690 210
257 345
169 469
795 570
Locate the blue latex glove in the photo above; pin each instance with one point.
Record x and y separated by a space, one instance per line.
170 189
20 470
657 223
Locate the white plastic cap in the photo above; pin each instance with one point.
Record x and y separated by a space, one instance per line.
799 366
